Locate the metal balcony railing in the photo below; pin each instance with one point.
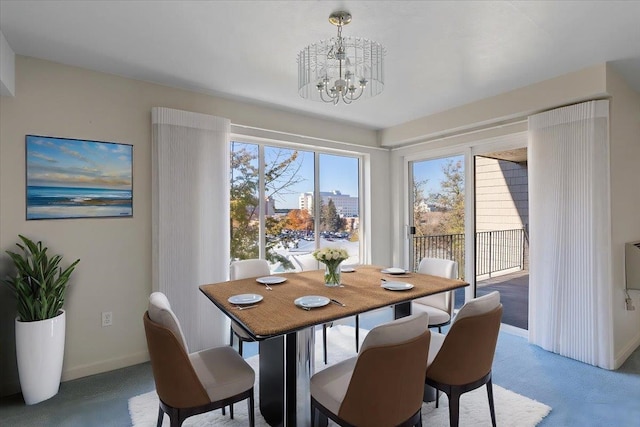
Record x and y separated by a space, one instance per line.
496 250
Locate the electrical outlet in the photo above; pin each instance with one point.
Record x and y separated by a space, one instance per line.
107 318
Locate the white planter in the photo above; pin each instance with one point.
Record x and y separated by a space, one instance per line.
40 350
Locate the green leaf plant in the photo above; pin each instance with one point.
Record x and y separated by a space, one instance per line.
39 284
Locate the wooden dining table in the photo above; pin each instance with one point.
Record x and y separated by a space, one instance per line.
285 331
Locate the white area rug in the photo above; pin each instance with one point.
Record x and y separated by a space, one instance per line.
512 409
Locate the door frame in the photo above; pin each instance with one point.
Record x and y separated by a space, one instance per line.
468 151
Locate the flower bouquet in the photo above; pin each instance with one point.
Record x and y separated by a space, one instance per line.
331 258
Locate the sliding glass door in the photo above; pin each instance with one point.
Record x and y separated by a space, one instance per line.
437 211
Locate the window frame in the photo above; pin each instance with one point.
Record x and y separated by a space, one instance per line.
317 151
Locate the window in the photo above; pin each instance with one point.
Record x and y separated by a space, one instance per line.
297 204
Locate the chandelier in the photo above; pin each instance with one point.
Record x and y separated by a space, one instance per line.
341 68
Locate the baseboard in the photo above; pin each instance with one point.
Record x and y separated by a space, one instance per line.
514 331
104 366
626 352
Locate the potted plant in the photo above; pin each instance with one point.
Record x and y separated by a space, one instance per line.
39 285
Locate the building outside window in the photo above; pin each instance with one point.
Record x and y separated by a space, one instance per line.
283 228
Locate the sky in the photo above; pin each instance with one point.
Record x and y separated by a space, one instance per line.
78 163
336 173
340 173
432 171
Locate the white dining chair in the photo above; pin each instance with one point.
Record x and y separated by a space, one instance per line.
308 262
439 307
244 269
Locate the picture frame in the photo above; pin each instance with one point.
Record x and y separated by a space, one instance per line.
77 178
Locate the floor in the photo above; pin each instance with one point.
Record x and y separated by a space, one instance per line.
580 394
514 295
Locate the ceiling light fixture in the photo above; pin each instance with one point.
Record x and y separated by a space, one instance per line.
341 68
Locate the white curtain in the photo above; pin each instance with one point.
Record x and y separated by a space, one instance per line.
190 217
570 239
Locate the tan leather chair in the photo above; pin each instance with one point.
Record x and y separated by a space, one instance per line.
244 269
191 384
439 307
383 385
461 360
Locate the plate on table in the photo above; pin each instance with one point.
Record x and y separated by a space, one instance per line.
271 280
394 270
245 299
311 301
397 286
347 269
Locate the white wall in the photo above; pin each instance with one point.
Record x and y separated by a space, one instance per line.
571 88
7 68
114 273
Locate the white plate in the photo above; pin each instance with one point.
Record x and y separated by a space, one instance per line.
347 269
311 301
271 280
397 286
244 299
394 270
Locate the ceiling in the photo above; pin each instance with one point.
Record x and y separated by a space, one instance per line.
439 54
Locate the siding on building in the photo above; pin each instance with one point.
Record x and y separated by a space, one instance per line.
502 197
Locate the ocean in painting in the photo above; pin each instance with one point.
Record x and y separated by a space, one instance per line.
77 202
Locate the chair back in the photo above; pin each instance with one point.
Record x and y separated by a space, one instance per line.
176 381
306 262
439 267
160 312
246 268
442 268
468 349
387 384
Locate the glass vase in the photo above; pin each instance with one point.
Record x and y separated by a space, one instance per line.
332 274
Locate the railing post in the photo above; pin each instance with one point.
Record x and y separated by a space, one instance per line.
522 249
490 253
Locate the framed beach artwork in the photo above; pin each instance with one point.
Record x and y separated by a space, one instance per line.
75 178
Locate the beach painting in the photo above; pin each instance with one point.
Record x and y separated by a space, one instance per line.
73 178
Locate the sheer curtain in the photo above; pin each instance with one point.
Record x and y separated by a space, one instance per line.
570 240
190 217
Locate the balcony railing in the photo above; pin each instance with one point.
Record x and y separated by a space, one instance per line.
496 250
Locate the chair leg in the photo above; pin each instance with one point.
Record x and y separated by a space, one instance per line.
454 408
160 416
324 341
439 329
230 336
240 346
224 412
251 411
231 411
357 333
419 423
491 407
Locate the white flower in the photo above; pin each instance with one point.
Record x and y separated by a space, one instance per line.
330 254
